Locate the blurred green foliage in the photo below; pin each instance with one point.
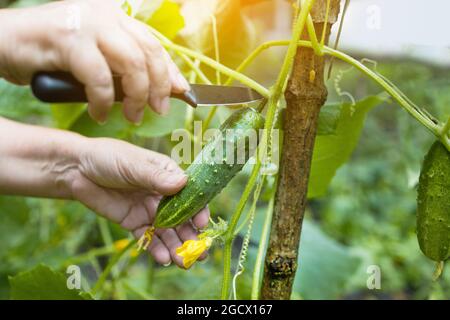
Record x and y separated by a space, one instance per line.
365 217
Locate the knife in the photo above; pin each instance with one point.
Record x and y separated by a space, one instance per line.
62 87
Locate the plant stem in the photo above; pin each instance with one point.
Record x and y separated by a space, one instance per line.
212 63
304 95
194 66
88 256
216 46
112 262
394 92
274 97
257 271
229 236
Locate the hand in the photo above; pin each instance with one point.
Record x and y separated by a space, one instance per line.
118 180
124 183
90 39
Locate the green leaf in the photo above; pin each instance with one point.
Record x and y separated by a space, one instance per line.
329 119
18 103
14 216
332 151
155 125
64 115
115 127
43 283
326 268
166 18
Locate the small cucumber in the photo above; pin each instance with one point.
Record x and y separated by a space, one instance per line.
211 172
433 204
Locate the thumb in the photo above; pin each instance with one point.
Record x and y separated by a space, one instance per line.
161 174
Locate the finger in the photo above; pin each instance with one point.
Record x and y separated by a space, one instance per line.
160 174
89 66
144 39
186 232
127 59
164 162
171 240
179 82
157 248
201 219
157 67
141 214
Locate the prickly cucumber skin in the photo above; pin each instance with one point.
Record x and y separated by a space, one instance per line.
433 204
210 172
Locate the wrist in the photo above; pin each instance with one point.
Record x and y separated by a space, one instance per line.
39 161
66 156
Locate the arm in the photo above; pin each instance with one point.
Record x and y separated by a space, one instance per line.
115 179
91 39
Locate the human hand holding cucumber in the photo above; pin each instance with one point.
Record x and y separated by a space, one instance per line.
115 179
121 182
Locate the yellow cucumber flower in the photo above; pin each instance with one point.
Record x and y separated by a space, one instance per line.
121 244
191 250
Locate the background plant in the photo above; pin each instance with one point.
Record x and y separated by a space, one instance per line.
338 240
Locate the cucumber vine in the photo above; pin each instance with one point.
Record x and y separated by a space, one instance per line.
303 19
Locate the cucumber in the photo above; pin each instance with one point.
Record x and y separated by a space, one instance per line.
433 204
211 172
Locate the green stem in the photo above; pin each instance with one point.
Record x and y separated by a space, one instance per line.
194 67
395 93
209 117
216 46
446 129
292 48
229 236
274 97
141 294
104 231
212 63
257 271
317 47
256 196
88 256
112 262
327 14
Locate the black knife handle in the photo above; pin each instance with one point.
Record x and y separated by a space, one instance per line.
62 87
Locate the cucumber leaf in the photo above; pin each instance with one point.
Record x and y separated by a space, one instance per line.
332 151
163 15
326 268
64 115
43 283
153 125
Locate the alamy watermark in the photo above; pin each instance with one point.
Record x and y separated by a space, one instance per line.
73 277
230 147
374 279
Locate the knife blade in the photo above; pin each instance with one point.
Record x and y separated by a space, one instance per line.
62 87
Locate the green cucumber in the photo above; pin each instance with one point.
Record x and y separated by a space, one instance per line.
211 172
433 204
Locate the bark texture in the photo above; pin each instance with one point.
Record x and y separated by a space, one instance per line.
305 95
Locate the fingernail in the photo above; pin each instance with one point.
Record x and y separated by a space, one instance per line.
102 120
164 106
167 264
183 83
175 178
139 117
